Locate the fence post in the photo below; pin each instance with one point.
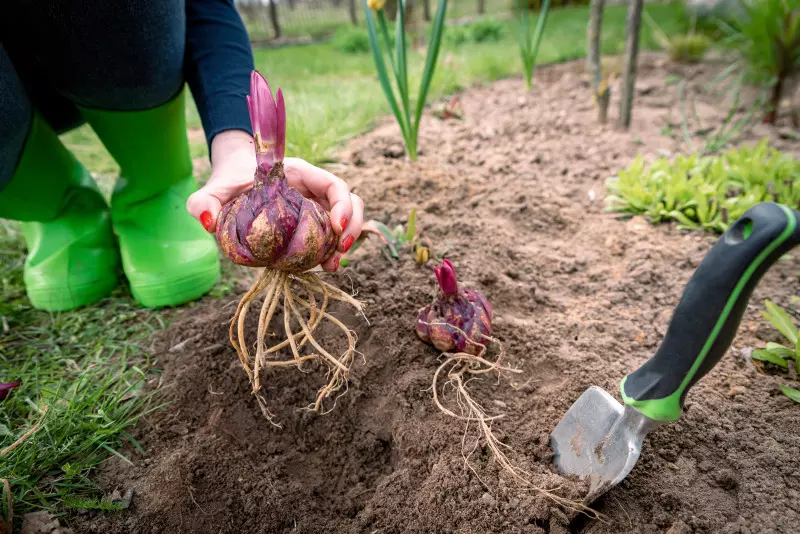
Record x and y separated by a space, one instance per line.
481 7
353 12
595 65
632 27
273 15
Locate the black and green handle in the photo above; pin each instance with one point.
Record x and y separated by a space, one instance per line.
708 315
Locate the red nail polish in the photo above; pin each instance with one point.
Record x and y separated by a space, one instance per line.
348 242
343 223
206 220
336 264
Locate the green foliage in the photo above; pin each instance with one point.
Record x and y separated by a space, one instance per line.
529 42
733 126
767 37
790 392
486 31
88 367
350 40
92 503
457 35
480 31
407 118
706 192
778 354
689 48
395 240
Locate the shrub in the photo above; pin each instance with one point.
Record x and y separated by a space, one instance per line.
690 48
486 31
766 37
706 192
351 40
456 35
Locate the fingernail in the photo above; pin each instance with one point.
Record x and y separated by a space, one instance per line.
206 220
343 223
336 264
348 242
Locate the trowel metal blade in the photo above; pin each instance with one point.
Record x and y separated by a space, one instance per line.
600 440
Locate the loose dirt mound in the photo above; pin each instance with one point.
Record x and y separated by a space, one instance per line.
581 298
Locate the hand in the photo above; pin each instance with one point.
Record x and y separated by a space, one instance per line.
232 169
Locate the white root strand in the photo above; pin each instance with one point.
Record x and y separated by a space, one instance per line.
277 287
461 364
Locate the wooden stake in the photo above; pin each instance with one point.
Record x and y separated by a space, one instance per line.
632 28
593 54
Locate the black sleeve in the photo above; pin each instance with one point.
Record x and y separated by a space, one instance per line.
218 63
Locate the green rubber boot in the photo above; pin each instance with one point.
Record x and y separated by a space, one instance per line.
72 254
168 257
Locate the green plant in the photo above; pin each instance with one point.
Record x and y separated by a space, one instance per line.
732 127
683 48
486 31
689 48
457 35
393 240
706 192
529 43
409 125
350 40
779 354
766 35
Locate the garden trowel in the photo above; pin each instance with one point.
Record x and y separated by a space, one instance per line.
599 439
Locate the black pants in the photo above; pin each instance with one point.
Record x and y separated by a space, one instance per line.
101 54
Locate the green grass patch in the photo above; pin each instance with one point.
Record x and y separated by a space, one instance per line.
82 374
706 192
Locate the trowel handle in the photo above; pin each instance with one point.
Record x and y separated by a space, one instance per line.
708 315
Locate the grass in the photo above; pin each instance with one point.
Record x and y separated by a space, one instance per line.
88 366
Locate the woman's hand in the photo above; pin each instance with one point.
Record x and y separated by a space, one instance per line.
232 169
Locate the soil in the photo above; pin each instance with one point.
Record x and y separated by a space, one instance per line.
581 297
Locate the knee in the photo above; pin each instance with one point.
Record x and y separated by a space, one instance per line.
105 56
16 113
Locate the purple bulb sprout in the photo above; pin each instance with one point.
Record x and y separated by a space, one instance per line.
275 227
458 320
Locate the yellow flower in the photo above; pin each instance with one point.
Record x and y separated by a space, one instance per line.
376 5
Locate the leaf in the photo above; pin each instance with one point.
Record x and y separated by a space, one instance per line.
770 357
411 231
780 350
383 76
781 320
792 393
430 59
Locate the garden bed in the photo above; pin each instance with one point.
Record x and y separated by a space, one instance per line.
581 297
